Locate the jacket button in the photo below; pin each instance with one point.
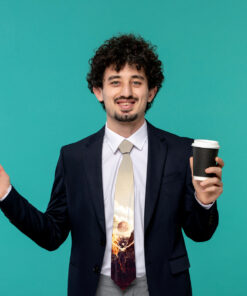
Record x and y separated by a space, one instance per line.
102 242
96 269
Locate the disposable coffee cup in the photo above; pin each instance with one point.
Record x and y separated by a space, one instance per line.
204 153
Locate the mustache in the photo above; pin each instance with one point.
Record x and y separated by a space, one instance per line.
125 98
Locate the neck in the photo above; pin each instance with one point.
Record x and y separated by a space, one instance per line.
125 129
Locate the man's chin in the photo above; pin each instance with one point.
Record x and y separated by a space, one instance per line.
125 117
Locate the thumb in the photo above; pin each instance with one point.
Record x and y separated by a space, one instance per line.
191 165
1 169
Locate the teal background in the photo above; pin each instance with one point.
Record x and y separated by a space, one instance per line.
45 103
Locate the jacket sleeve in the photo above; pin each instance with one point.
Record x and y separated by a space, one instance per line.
198 223
50 229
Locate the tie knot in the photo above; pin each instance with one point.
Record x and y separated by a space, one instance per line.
125 147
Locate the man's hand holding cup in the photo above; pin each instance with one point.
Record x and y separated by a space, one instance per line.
206 168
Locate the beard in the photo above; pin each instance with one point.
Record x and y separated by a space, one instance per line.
125 117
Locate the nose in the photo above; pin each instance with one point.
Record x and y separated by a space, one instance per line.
126 90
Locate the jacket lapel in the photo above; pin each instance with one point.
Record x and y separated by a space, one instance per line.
93 165
157 152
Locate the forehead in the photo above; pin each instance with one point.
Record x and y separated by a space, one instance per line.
126 71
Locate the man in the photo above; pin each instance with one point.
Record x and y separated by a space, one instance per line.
125 192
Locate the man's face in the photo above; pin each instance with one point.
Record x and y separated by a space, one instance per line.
125 94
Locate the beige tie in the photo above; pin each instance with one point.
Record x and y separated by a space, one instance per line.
123 269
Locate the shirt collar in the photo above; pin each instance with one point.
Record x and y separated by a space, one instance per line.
138 139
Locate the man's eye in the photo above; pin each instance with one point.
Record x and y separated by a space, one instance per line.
137 82
115 82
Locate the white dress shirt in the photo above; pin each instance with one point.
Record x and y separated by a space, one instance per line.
111 159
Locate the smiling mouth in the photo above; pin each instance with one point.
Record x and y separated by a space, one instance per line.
126 105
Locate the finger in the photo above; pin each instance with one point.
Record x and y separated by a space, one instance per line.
211 181
213 189
220 161
191 164
2 169
214 170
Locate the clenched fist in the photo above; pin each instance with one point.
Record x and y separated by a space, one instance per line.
4 182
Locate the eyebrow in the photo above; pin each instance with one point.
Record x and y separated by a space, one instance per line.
118 76
113 77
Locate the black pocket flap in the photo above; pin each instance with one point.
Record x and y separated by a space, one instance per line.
179 264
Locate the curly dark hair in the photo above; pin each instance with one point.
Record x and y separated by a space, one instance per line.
122 49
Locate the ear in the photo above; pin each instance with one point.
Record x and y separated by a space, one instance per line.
151 93
98 93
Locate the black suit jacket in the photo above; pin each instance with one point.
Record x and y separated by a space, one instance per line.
77 205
